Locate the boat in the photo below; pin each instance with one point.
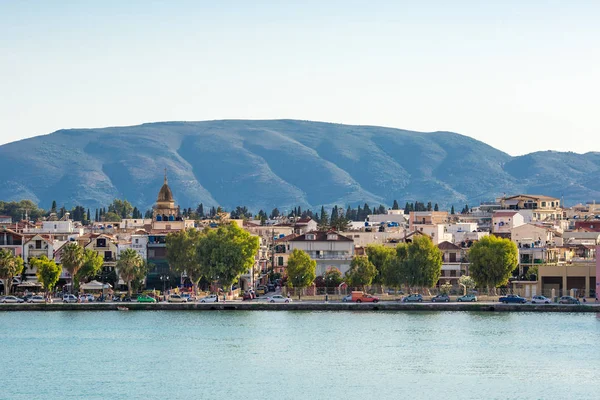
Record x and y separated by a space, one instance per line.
121 308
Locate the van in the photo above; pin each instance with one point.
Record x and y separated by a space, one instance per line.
361 297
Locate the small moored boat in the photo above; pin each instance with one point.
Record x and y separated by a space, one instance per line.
121 308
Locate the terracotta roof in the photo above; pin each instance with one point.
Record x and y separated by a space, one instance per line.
286 238
321 236
448 246
505 213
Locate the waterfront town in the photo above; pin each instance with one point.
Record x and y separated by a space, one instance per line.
556 253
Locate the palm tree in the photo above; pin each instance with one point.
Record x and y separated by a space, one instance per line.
10 266
72 259
130 266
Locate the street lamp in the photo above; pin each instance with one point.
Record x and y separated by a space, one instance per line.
164 279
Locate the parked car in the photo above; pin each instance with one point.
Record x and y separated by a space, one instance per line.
210 299
278 299
261 290
12 299
36 299
467 297
540 300
569 300
175 298
247 296
188 296
86 298
271 287
361 297
512 298
441 298
413 298
394 291
347 298
69 298
146 299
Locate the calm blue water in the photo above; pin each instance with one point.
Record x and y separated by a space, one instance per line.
298 355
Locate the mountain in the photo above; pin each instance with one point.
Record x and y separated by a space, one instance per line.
280 163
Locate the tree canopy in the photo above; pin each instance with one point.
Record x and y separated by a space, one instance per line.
130 266
492 260
332 277
418 263
379 255
361 272
72 258
91 266
10 266
226 253
47 271
182 254
301 269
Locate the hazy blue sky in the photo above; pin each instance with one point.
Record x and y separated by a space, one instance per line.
519 75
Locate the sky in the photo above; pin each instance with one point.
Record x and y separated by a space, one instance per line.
521 76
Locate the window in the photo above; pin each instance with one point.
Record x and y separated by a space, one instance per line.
100 242
137 241
107 255
452 272
38 244
543 204
280 261
310 237
332 236
452 257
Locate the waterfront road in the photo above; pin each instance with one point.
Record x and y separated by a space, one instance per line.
262 304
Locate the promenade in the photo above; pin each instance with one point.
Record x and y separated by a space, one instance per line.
306 306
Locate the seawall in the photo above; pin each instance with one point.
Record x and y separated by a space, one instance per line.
306 306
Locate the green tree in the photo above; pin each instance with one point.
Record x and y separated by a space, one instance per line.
393 269
423 263
121 207
10 266
446 288
130 267
332 277
48 272
72 258
301 270
111 217
436 207
323 220
226 253
466 282
182 256
492 260
395 206
379 254
91 266
361 272
452 210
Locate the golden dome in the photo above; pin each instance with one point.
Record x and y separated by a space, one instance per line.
165 194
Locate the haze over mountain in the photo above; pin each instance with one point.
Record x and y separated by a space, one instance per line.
281 163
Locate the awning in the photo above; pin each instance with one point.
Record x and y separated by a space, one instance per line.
95 285
29 284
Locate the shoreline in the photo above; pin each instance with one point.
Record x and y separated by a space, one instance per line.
305 306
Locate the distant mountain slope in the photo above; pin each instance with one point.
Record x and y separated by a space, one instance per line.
280 163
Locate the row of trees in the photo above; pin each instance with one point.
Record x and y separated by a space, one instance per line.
220 255
416 264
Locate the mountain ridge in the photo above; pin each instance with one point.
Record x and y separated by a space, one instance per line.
280 163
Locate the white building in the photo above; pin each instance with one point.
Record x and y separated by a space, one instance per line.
328 249
504 221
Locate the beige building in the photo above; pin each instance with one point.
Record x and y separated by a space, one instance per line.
328 249
542 207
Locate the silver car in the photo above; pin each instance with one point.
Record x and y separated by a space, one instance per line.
12 299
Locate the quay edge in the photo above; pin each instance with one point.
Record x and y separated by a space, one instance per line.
305 306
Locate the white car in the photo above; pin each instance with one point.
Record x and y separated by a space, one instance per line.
12 299
175 298
540 300
86 298
36 299
210 299
347 298
69 298
278 299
